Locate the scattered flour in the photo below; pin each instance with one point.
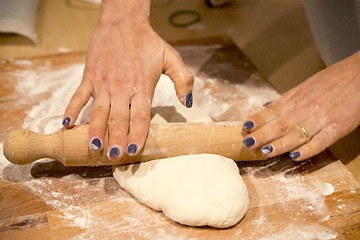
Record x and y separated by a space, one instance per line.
211 93
295 188
46 117
289 188
295 232
325 188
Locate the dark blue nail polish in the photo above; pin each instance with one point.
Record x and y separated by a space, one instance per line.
295 155
249 142
248 125
66 121
114 152
189 100
267 149
132 148
267 103
96 144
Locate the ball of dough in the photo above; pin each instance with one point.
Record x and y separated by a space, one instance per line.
178 114
194 190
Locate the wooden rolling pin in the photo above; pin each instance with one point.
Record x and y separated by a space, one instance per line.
71 146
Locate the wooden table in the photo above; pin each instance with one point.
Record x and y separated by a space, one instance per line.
314 199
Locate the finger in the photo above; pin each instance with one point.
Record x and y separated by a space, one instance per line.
317 144
288 103
270 113
183 80
118 127
77 102
279 118
271 131
139 122
300 132
98 120
297 137
329 132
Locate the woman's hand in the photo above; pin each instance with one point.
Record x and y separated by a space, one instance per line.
310 117
124 62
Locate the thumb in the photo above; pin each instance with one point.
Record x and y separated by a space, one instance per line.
183 80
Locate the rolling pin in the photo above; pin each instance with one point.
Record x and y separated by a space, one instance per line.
71 146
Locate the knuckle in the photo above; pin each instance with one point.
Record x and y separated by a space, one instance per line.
118 118
260 138
270 112
266 115
187 77
140 119
320 144
281 126
308 151
80 96
314 147
258 119
99 114
98 109
277 110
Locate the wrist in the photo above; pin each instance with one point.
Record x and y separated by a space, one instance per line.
131 11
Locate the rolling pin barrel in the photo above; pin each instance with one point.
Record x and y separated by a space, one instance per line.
71 146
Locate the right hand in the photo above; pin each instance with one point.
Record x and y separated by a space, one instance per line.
124 62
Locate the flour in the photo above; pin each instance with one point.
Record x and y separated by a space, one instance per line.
74 210
211 93
289 188
295 188
295 232
46 117
325 188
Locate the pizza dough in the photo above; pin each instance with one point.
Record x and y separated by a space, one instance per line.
194 190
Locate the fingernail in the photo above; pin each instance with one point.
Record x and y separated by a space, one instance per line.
114 152
189 100
132 148
248 125
267 103
295 155
96 144
267 149
66 121
248 142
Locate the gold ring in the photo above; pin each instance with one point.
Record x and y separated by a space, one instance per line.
305 132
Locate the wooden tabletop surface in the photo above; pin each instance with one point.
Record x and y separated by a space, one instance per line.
315 199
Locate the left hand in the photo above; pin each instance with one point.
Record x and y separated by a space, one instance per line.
310 117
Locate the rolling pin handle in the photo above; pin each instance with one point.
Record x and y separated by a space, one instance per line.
23 146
